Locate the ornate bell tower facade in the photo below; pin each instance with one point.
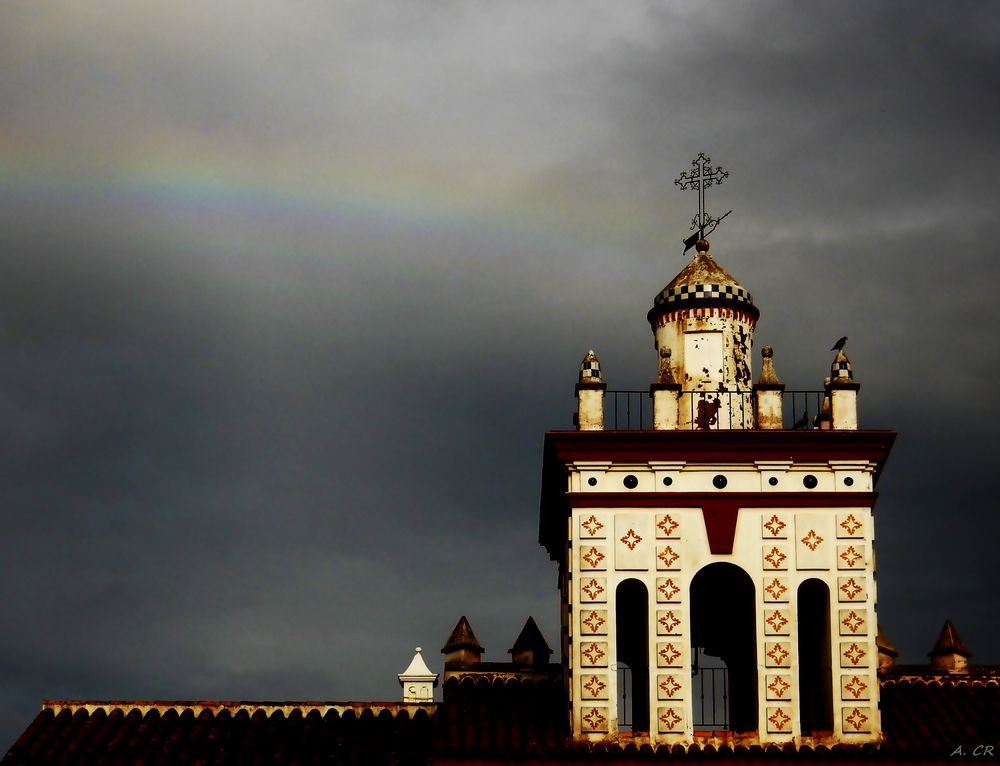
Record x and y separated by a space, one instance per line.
716 565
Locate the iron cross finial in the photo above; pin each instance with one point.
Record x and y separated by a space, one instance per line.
702 177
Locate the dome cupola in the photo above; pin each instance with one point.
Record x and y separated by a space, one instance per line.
706 319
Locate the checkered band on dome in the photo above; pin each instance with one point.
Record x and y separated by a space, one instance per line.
842 370
590 371
703 292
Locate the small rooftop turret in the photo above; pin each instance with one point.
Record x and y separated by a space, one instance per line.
417 680
768 393
590 395
842 390
886 651
462 648
949 653
530 649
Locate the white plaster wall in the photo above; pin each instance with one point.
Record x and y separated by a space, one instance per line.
838 551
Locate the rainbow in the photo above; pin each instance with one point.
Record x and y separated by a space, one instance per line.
203 199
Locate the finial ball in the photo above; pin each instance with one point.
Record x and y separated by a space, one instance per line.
767 352
701 246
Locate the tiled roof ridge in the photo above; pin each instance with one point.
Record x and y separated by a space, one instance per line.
268 708
718 746
942 680
505 674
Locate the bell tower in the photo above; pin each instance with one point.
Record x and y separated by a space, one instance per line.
716 565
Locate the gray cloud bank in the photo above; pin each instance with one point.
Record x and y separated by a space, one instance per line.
260 443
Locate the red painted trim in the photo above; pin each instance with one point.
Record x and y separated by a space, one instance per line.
737 446
694 448
720 524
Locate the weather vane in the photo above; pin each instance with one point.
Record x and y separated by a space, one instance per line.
702 177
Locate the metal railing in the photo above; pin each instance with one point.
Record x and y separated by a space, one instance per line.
624 697
800 408
710 692
632 410
716 410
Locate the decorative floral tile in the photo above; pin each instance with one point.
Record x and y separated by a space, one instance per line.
775 556
851 556
593 686
591 526
856 720
774 525
777 622
851 524
593 557
778 686
593 622
855 654
852 588
633 541
668 590
668 526
667 557
668 622
669 686
669 654
594 654
779 720
670 720
775 589
594 718
777 654
852 622
814 537
855 687
593 589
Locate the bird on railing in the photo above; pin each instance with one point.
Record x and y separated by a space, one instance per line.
802 422
839 344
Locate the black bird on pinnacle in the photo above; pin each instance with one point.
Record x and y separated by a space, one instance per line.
839 344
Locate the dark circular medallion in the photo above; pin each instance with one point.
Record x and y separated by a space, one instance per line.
592 481
810 481
720 481
667 481
773 481
848 481
630 482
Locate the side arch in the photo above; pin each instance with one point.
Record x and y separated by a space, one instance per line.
632 652
815 671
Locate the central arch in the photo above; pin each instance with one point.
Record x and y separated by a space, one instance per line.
723 649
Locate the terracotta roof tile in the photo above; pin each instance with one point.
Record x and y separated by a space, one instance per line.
923 717
223 733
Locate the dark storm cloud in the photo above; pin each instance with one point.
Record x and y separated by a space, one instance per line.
262 453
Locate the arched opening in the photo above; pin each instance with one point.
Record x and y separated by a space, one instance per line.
632 626
815 674
723 650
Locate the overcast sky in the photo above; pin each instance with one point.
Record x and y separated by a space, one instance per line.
290 292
